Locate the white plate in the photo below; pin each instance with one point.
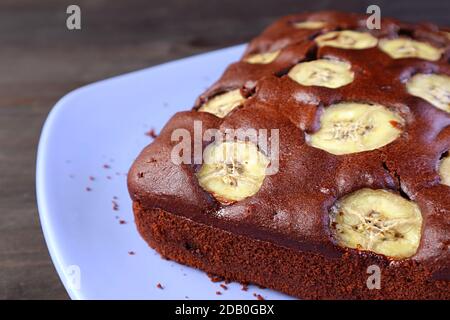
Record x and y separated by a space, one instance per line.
89 140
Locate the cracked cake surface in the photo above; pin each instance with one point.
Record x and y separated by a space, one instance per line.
355 109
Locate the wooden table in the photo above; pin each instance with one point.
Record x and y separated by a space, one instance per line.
40 61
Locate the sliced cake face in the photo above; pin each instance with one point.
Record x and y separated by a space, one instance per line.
350 127
378 221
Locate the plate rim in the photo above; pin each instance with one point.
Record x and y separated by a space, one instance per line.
41 159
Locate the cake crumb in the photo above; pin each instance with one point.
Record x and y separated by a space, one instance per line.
224 287
244 287
258 296
115 205
325 190
106 166
160 286
131 253
151 133
395 124
218 293
215 278
122 222
88 189
92 178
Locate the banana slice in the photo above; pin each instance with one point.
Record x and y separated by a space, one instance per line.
322 72
408 48
309 25
444 170
224 103
232 171
262 58
378 221
434 88
347 39
351 127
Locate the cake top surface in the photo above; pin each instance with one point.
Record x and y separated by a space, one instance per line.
345 111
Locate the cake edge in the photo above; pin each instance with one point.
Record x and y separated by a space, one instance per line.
304 275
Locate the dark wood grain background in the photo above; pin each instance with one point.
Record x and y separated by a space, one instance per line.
40 61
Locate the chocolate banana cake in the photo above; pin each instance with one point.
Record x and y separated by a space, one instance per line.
318 165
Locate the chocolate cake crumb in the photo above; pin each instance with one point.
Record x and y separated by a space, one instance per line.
88 189
258 296
215 278
224 287
106 166
218 293
115 206
131 253
151 133
122 222
92 178
160 286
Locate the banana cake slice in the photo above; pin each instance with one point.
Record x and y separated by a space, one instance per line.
319 157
